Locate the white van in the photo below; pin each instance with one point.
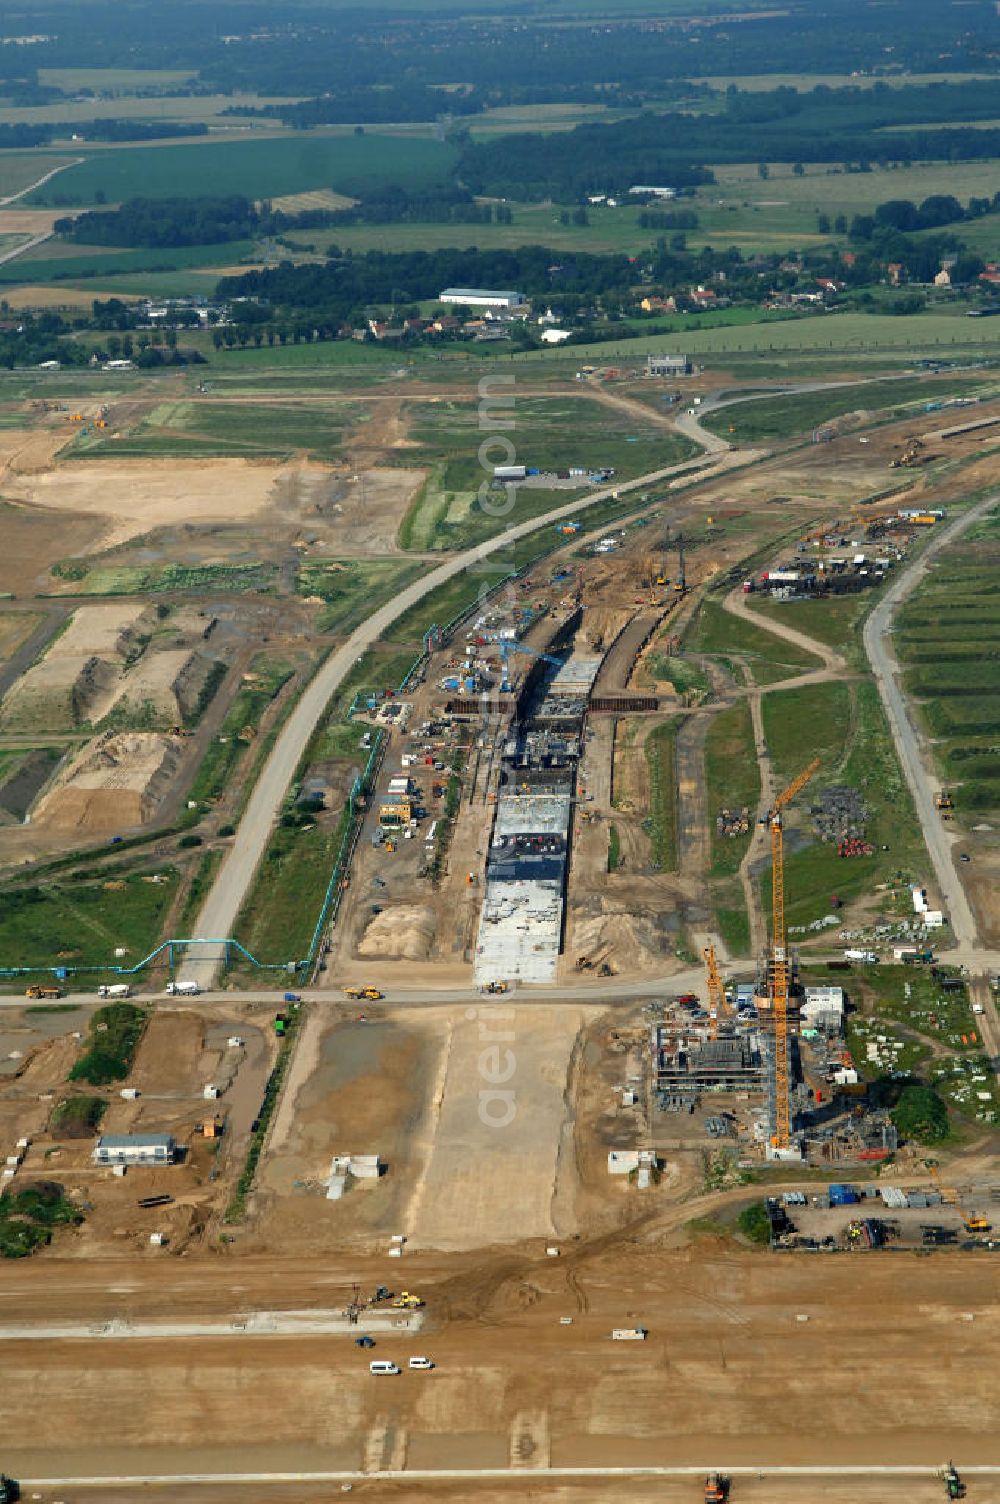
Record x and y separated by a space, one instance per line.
421 1363
380 1365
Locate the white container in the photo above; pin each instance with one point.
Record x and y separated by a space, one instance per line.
629 1334
235 1042
552 1253
13 1159
23 1143
119 1170
395 1253
210 1093
158 1239
129 1093
398 1237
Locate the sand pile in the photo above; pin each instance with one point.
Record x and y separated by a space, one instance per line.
405 933
116 782
618 937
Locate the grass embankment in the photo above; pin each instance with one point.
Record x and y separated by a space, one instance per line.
769 658
261 685
353 588
80 920
99 577
948 638
115 1032
77 1117
783 417
845 725
732 781
237 1205
662 822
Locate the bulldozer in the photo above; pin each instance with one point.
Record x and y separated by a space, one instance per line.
716 1489
496 987
407 1302
943 800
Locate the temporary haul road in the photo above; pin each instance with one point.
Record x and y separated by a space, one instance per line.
218 916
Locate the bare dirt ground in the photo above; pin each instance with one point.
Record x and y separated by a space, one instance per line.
722 1325
356 514
131 497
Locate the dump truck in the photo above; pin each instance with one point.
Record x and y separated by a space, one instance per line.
36 991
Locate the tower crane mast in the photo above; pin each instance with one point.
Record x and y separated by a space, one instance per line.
779 967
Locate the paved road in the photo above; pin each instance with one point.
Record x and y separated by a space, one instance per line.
27 245
920 774
218 916
922 779
864 1471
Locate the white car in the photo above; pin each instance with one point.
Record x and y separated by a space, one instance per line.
421 1363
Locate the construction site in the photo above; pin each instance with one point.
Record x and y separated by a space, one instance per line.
605 1031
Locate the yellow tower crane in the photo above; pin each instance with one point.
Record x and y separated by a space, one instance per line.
717 1004
779 968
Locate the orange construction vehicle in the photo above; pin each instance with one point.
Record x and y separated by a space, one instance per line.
716 1489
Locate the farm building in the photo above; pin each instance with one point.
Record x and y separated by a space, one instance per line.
135 1149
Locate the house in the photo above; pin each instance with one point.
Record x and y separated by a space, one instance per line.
991 272
704 297
654 192
897 273
652 304
134 1149
555 336
827 284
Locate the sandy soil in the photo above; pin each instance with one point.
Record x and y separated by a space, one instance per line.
132 497
117 782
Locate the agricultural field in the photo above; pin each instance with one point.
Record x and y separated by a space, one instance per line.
946 638
55 262
552 434
19 169
190 429
258 169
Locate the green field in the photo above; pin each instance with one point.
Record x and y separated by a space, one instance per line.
261 168
80 920
77 264
769 659
832 620
947 638
844 724
660 761
190 429
732 781
261 685
551 434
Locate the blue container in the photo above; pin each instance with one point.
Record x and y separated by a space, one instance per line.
843 1195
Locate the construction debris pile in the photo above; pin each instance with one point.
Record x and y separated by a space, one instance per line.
733 822
841 815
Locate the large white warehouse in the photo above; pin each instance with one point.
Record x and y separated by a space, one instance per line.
480 297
